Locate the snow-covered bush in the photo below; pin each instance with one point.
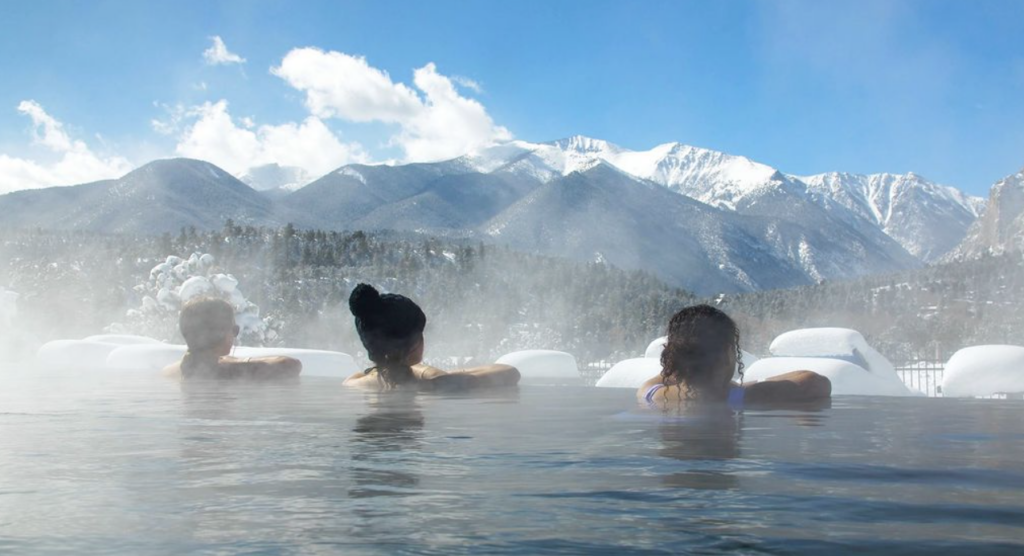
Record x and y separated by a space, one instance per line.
177 280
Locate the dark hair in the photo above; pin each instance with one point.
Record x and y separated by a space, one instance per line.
389 326
204 322
700 341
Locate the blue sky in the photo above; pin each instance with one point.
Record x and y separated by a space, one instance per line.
933 86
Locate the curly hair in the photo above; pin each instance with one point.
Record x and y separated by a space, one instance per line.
701 340
389 326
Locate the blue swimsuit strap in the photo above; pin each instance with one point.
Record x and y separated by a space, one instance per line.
649 395
735 398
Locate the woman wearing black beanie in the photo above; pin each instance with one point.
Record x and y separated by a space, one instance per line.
391 329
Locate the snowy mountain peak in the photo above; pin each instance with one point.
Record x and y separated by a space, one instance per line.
583 144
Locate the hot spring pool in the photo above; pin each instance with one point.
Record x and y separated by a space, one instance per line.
123 464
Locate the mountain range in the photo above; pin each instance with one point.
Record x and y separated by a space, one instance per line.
697 218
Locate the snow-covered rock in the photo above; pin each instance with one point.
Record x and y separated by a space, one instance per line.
984 371
655 348
75 354
123 339
836 343
542 363
841 354
631 373
847 378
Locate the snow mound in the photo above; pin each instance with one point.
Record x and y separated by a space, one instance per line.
655 348
315 362
984 371
847 378
631 373
542 363
834 343
74 354
122 339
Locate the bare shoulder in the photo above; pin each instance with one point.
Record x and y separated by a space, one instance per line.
172 371
361 379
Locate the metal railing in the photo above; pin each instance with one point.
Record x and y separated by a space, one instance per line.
922 376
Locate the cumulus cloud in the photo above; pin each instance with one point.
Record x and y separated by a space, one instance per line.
70 160
436 123
218 54
212 134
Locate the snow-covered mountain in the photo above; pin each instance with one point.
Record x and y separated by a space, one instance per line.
604 214
925 218
162 196
1001 226
697 218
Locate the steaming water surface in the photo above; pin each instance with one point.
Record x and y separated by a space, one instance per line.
101 463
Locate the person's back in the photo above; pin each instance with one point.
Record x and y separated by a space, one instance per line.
208 326
701 355
391 329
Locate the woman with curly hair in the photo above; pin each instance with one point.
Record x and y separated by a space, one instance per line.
700 358
391 329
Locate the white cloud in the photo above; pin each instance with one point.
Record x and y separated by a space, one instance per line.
71 160
441 124
346 87
218 54
214 136
468 83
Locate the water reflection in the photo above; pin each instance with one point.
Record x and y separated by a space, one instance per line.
384 444
701 438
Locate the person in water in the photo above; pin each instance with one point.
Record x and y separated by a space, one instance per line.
391 329
208 326
700 357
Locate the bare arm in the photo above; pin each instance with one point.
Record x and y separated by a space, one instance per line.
487 376
796 386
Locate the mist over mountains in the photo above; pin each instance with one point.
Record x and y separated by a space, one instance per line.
699 219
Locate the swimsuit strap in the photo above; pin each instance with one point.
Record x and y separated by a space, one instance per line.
735 399
649 395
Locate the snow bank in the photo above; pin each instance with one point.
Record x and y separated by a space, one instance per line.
631 373
835 343
847 378
144 357
655 348
315 362
841 354
984 371
122 339
542 363
74 354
